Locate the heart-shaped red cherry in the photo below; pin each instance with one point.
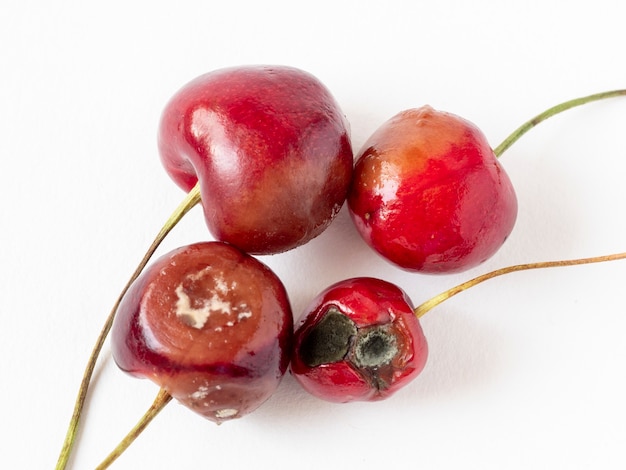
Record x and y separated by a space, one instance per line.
359 340
429 195
271 150
209 324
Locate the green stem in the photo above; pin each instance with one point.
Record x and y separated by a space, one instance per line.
425 307
192 198
559 108
161 400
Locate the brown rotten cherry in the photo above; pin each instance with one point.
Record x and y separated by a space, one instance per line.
210 325
270 149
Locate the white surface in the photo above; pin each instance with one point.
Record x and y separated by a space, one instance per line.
526 371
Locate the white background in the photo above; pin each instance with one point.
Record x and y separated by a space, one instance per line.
526 371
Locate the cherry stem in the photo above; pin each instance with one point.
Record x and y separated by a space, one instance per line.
161 400
192 198
425 307
528 125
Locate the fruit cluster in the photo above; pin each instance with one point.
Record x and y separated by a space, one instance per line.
270 150
267 151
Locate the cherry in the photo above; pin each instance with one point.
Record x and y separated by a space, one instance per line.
429 194
210 325
271 151
360 341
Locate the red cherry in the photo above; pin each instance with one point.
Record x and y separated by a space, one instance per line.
360 340
429 195
210 325
270 148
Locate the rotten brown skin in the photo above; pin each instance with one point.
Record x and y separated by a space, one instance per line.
209 324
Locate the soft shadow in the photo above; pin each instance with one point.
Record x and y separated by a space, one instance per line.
465 354
338 253
290 405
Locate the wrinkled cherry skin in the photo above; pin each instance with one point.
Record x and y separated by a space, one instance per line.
209 324
372 306
429 195
271 149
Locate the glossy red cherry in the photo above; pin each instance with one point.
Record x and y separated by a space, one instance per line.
270 148
360 340
429 195
209 324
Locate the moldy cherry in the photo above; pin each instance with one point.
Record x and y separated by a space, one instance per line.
209 324
360 340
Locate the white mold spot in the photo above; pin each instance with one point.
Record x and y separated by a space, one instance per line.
200 394
221 286
226 413
243 315
197 317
